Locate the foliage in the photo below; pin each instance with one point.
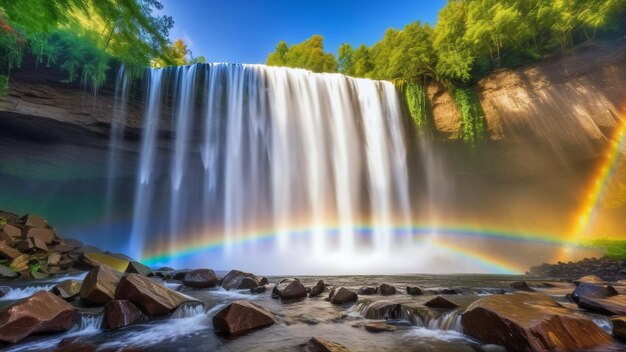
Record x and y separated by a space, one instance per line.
179 54
615 249
3 221
309 55
415 96
33 268
472 121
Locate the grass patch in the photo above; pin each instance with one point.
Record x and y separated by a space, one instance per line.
614 249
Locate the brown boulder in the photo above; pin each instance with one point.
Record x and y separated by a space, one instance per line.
318 289
387 290
44 235
200 278
289 289
95 259
38 244
366 291
319 344
342 295
589 279
151 297
521 286
20 263
258 289
41 312
603 299
442 302
32 220
119 313
8 252
239 280
414 291
138 268
379 327
530 322
382 310
12 231
68 289
99 285
619 327
242 316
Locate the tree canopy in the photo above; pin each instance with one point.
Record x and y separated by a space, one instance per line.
309 54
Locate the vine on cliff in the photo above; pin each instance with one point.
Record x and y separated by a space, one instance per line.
415 95
472 120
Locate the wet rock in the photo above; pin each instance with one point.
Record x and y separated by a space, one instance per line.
619 327
94 259
319 344
99 285
442 302
40 313
318 289
138 268
54 258
382 310
7 273
414 291
530 322
264 281
342 295
20 263
289 289
387 290
44 235
521 286
74 344
38 244
12 231
8 252
367 291
585 290
177 274
200 278
258 289
242 316
598 298
32 220
151 297
239 280
589 279
379 327
119 313
24 246
68 289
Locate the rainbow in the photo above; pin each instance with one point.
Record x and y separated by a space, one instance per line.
600 181
434 235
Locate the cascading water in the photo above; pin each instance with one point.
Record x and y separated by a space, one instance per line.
302 159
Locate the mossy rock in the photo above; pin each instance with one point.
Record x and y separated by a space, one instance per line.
112 262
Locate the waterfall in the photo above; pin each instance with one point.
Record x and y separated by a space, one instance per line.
256 149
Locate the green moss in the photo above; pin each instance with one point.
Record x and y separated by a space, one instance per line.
415 95
472 120
615 249
3 221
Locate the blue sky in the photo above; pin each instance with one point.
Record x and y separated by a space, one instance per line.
246 31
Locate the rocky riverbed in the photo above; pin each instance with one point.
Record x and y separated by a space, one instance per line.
61 295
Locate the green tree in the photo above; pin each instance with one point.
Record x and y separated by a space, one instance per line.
308 55
345 63
362 61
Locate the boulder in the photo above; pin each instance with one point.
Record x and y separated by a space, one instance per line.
318 289
20 263
258 289
242 316
138 268
200 278
598 298
319 344
589 279
68 289
367 291
239 280
531 322
151 297
38 244
264 281
387 290
94 259
12 230
32 220
40 313
54 258
379 327
8 252
7 273
414 291
442 302
380 310
99 285
289 289
521 286
342 295
44 235
119 313
619 327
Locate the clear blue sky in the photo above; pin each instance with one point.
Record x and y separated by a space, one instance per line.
246 31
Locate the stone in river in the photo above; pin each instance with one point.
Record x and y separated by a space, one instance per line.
289 289
382 310
68 289
40 313
589 279
341 295
442 302
242 316
115 263
531 322
414 291
379 327
151 297
119 313
521 286
200 278
318 289
138 268
258 289
387 290
12 231
319 344
8 252
7 273
99 285
619 327
239 280
365 291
